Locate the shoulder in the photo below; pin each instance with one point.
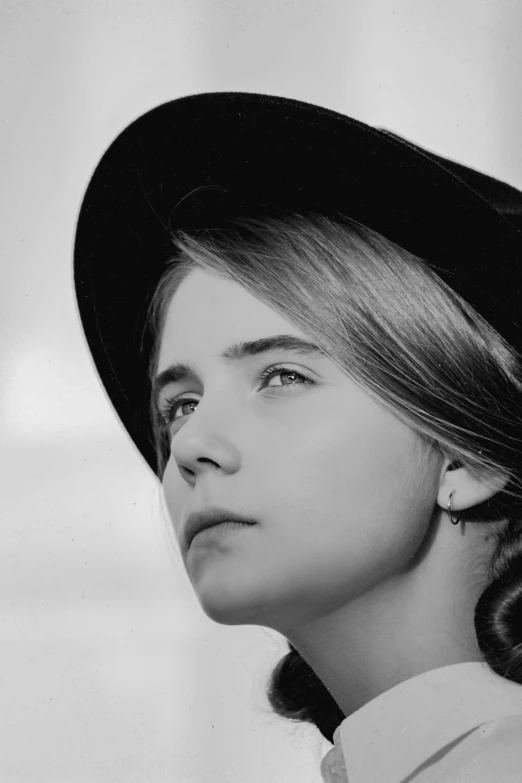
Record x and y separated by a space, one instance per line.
491 752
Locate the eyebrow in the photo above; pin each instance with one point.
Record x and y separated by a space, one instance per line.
233 353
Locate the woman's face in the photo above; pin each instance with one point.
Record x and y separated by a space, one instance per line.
342 490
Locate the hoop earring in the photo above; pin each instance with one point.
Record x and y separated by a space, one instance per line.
453 521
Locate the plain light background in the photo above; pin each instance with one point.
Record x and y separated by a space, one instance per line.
109 669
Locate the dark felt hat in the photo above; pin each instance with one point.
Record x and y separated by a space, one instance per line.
198 161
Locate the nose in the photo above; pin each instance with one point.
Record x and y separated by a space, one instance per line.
205 443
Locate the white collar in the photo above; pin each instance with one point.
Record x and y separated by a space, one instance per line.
390 736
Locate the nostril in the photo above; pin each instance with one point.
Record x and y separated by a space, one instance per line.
455 465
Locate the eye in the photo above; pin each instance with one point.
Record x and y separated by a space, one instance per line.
172 405
271 372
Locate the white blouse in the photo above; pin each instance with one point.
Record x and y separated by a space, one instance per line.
458 724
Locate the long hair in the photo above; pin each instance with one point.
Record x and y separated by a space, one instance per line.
389 322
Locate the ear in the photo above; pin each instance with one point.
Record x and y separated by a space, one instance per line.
469 490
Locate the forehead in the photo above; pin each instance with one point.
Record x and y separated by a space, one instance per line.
209 311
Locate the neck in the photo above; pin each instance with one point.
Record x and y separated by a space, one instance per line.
417 621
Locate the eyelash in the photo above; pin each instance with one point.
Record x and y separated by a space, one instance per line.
171 405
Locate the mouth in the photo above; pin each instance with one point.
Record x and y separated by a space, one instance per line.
226 521
216 532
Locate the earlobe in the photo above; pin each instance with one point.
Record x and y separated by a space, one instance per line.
467 490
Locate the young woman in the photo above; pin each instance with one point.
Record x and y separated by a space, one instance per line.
310 328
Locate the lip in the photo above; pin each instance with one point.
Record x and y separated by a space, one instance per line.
209 517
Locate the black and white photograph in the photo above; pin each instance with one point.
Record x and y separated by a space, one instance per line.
261 391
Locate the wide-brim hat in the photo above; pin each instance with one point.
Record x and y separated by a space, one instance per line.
198 161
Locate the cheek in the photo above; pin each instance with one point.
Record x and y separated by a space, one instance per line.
367 460
350 512
368 484
176 493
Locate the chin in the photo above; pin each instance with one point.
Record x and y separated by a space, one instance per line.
233 606
226 613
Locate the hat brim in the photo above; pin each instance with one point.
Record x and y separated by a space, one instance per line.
200 160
